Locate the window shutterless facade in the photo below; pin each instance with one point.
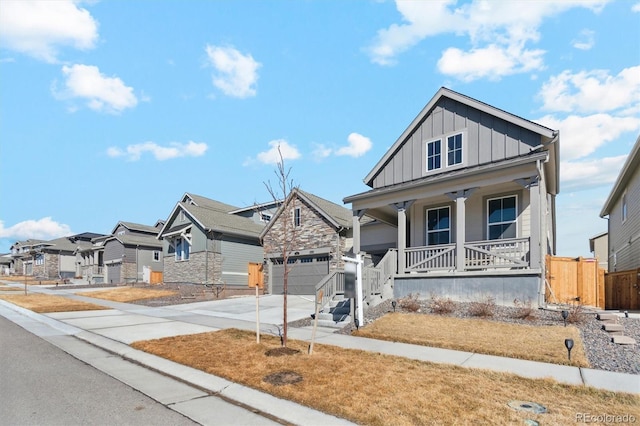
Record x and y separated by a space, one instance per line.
624 207
438 226
454 150
502 215
434 155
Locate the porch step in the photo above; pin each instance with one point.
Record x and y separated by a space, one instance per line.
613 328
330 323
606 317
623 340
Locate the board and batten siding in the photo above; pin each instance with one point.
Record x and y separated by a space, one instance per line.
624 238
236 256
486 139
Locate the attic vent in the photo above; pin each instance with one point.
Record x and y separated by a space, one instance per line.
188 200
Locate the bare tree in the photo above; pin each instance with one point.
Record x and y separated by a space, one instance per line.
285 235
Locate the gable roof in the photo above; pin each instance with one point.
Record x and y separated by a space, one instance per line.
64 244
336 215
136 240
137 227
496 112
630 166
212 215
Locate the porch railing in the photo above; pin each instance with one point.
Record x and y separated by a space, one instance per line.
492 254
330 285
92 270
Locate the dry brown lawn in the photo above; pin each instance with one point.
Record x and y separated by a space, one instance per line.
45 303
129 294
535 343
374 389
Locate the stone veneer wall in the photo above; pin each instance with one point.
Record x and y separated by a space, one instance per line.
128 272
314 232
51 265
193 270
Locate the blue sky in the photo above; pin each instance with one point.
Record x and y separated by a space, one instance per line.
111 110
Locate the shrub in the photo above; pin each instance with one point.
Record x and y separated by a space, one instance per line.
524 309
441 305
410 303
576 314
483 308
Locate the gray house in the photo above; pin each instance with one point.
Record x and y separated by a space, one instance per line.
623 210
129 250
205 243
318 235
469 193
51 259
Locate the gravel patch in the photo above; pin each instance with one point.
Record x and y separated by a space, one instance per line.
601 352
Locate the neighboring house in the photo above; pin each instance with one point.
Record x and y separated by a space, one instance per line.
599 246
22 253
623 210
49 259
91 260
205 243
319 234
469 190
260 213
5 264
130 249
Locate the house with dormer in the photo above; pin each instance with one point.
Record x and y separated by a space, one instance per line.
469 192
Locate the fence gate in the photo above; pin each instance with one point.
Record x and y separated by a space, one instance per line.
572 280
623 290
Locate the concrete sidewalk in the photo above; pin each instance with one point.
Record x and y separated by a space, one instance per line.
114 329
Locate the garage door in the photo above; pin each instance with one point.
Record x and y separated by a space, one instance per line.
304 274
113 273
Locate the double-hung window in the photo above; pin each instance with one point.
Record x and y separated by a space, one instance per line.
445 152
39 260
182 249
454 150
156 256
439 226
502 216
434 155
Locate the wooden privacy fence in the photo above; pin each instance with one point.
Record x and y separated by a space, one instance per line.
575 280
622 290
156 277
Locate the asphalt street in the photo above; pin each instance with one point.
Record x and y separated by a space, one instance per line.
41 384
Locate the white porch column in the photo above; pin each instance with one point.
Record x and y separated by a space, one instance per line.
402 237
460 198
535 259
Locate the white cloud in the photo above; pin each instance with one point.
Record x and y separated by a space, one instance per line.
492 62
585 41
272 155
358 146
635 7
593 91
160 153
41 229
321 151
498 31
582 175
581 136
40 28
108 94
237 74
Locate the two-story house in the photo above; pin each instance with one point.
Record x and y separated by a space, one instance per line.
469 190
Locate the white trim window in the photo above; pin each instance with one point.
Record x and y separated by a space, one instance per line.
438 226
624 207
156 256
297 217
39 259
502 215
182 249
434 155
454 150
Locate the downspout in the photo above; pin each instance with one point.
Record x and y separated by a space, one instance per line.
206 257
542 221
137 246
